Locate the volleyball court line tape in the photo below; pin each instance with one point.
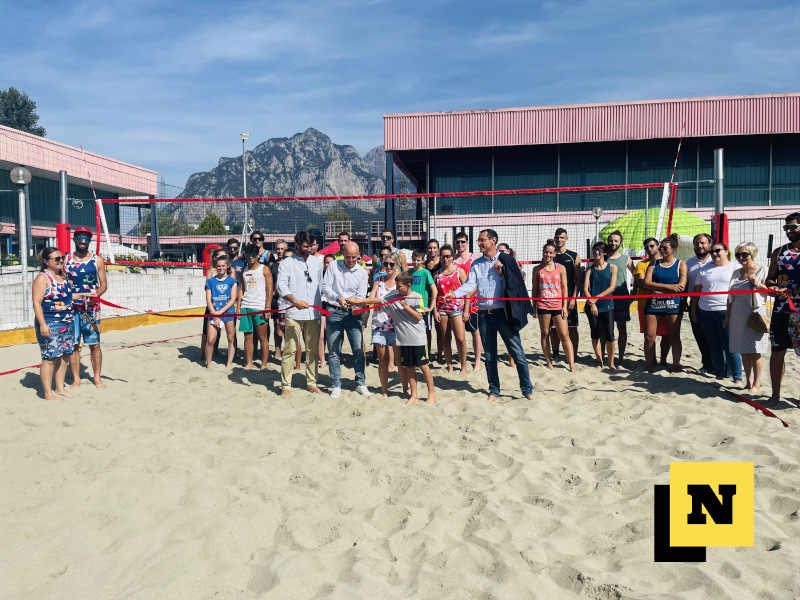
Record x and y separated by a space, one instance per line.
183 337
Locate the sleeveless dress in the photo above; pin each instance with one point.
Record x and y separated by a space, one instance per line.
741 338
382 318
550 287
445 284
664 305
465 266
57 312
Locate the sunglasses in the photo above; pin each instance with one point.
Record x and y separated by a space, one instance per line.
308 276
57 258
742 254
461 241
386 237
256 239
598 251
664 248
390 265
234 248
652 245
251 255
717 251
791 227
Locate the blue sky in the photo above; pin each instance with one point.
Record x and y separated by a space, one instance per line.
170 85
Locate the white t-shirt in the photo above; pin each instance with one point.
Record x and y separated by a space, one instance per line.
716 279
695 270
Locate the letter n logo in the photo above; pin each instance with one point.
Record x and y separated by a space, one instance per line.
711 504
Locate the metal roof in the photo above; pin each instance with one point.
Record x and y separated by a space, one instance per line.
45 158
615 121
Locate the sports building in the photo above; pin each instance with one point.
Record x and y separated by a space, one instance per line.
601 145
45 159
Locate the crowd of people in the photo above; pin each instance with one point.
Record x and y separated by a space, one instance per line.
451 291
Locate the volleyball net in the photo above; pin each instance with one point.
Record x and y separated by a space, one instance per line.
160 247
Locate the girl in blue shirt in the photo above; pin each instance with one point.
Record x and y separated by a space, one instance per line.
221 293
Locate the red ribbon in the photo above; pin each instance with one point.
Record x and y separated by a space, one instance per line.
205 316
621 297
109 350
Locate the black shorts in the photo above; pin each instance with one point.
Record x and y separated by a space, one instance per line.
428 318
622 307
413 356
471 324
572 319
552 313
779 332
604 321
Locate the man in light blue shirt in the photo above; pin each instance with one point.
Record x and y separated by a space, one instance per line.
487 274
299 284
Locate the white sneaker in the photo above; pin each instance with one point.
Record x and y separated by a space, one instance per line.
363 390
336 392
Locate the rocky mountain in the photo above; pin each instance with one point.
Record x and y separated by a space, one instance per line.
307 164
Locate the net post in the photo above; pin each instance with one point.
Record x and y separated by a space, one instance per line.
672 194
719 230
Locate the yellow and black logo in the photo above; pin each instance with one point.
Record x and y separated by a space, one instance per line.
705 504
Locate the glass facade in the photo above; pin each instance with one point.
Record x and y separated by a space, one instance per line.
44 200
759 170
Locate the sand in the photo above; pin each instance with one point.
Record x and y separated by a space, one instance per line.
177 482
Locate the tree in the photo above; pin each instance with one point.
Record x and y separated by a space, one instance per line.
211 225
167 225
337 214
17 110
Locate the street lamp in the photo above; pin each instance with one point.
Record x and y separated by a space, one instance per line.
245 136
22 177
597 212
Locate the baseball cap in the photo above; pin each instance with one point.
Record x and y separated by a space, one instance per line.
82 231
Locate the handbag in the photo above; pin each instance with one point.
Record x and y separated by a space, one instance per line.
756 321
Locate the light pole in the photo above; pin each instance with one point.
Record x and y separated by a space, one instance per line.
245 136
597 212
22 177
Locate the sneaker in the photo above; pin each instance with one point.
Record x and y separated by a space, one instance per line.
363 390
336 392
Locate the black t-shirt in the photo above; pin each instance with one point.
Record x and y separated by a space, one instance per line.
435 269
273 268
568 259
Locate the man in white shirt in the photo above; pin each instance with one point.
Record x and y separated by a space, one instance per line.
345 279
299 282
696 266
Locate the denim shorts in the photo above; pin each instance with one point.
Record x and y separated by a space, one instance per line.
383 338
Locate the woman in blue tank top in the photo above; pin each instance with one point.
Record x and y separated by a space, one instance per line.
667 274
222 291
600 280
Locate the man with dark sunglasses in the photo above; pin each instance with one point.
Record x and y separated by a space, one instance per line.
87 274
387 241
299 284
784 279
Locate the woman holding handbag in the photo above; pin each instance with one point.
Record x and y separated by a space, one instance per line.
746 320
713 310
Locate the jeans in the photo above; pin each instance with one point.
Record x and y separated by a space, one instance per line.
702 345
717 336
335 326
490 325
